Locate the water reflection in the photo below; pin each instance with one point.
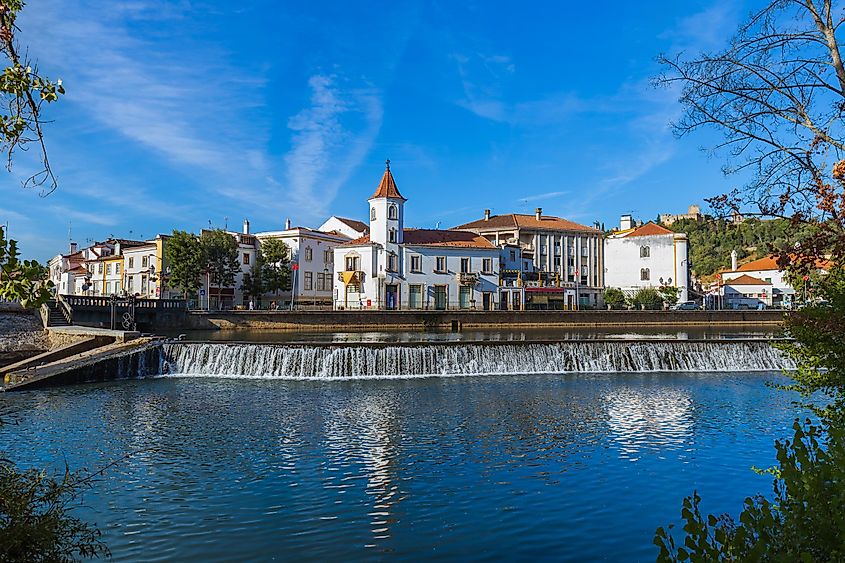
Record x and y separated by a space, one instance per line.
529 468
644 419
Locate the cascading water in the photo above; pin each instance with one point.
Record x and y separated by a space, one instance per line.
329 362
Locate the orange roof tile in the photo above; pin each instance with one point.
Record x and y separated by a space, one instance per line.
387 186
649 229
519 221
359 226
766 263
745 279
433 237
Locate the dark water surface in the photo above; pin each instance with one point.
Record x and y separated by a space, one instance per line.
564 468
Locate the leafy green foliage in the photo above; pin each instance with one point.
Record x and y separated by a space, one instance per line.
818 347
252 284
614 298
36 520
24 281
24 91
669 294
647 298
275 260
186 257
220 250
805 522
712 240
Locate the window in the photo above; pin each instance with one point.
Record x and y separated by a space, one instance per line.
131 262
351 263
309 280
323 281
465 265
392 212
392 261
373 214
130 283
465 297
513 255
108 269
415 296
391 235
416 263
328 256
440 264
145 261
487 265
645 252
246 258
117 268
309 254
645 275
143 284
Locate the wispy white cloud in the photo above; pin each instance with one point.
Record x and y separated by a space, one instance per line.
543 196
704 30
324 151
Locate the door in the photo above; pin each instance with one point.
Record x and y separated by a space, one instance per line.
503 301
517 304
391 297
486 300
440 297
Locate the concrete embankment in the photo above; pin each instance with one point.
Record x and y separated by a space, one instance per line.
416 320
103 363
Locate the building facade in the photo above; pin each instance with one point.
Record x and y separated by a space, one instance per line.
559 264
649 256
312 255
397 268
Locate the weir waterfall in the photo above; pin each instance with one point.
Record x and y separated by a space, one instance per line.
389 361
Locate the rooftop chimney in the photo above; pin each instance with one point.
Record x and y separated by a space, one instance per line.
73 248
538 213
486 214
733 260
246 226
287 224
626 222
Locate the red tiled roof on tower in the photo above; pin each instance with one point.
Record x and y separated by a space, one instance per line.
387 186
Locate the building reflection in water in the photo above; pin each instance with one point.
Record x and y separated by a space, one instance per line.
362 443
648 419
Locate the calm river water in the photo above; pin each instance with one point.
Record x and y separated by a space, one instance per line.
550 467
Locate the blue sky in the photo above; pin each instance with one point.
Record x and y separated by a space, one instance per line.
178 113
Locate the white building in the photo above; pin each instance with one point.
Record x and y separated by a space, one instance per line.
746 292
351 228
311 254
397 268
560 263
646 256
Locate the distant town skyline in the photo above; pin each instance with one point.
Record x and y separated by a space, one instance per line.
178 114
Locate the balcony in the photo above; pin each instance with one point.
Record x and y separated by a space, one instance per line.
468 278
348 277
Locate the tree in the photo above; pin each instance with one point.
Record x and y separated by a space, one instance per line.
252 284
275 257
669 294
777 95
24 281
36 522
24 91
186 257
647 298
220 250
614 298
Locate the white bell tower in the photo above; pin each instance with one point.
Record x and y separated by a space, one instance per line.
387 213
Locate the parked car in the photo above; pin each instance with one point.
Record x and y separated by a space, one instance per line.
686 306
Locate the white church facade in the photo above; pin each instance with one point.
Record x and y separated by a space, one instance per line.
394 268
